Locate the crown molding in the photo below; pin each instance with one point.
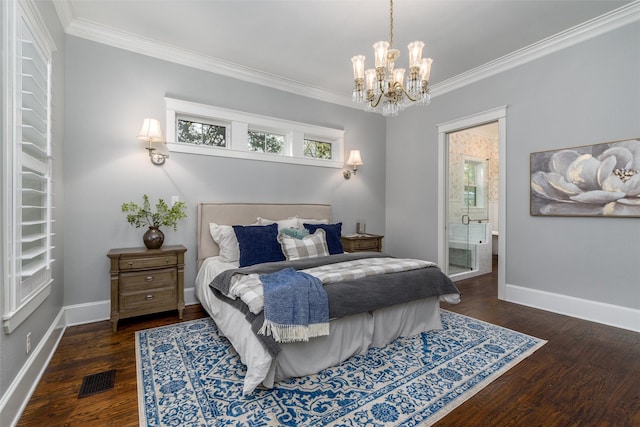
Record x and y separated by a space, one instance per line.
603 24
124 40
113 37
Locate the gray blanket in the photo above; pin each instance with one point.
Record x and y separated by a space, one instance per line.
347 297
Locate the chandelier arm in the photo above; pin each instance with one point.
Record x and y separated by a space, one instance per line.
374 105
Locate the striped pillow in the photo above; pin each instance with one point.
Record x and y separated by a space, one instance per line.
311 246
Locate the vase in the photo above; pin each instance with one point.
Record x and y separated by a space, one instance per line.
153 238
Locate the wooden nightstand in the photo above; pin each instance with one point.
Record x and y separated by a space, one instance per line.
145 281
362 243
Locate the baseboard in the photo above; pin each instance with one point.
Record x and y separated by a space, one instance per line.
594 311
17 395
97 311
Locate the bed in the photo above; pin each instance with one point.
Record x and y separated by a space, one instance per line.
348 336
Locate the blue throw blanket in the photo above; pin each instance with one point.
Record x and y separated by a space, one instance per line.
296 306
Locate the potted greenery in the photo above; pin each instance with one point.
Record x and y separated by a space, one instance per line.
163 215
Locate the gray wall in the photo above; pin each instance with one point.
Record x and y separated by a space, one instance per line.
13 346
585 94
110 91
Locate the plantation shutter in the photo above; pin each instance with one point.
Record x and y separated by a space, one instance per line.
35 165
29 252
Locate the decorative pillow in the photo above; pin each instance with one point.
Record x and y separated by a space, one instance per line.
225 237
334 233
258 243
302 221
311 246
296 233
291 222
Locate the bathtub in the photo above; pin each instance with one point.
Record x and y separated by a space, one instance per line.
478 248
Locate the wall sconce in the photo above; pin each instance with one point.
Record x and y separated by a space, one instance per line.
354 161
151 132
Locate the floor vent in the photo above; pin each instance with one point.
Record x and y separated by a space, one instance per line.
96 383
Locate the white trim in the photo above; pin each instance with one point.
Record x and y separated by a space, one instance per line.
600 25
17 395
123 40
496 114
80 314
79 27
13 319
240 122
594 311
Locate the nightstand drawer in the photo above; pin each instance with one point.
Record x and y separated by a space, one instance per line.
147 262
362 245
139 281
149 301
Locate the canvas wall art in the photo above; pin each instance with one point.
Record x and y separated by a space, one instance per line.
601 180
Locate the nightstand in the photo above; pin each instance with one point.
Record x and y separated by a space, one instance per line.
362 243
145 281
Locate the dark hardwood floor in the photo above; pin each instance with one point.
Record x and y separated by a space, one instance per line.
586 375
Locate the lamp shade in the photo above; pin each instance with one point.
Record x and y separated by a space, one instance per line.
151 131
354 158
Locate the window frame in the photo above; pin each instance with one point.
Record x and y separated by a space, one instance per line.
241 123
23 160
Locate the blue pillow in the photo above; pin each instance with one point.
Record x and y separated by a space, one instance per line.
258 243
333 233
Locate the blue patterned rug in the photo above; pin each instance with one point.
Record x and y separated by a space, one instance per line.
189 376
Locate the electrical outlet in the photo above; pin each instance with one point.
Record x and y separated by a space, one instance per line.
174 200
28 342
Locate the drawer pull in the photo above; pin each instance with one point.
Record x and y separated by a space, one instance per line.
149 297
148 279
130 264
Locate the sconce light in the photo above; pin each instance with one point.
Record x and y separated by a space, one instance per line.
151 132
354 161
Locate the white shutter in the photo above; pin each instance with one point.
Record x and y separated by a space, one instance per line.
29 180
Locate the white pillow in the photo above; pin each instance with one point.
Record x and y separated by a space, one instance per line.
311 246
226 239
302 221
291 222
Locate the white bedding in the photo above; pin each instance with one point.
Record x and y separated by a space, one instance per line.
349 336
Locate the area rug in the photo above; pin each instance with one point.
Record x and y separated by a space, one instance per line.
188 375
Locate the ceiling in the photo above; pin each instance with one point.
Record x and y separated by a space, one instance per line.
309 43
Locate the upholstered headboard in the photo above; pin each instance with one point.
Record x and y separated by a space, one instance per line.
246 214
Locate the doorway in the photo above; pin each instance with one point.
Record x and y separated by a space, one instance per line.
471 196
473 165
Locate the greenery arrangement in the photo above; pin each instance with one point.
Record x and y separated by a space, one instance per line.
162 216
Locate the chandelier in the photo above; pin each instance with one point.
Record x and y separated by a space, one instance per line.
386 91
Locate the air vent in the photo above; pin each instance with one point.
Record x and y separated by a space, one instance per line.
97 383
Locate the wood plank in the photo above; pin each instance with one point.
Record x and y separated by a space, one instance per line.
587 374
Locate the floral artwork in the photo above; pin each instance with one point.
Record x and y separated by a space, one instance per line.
591 180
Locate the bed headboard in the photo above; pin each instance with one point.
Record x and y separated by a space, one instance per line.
246 214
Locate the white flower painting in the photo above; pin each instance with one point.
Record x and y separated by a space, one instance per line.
591 180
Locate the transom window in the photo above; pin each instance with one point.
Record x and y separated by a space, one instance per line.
196 132
265 142
213 131
317 149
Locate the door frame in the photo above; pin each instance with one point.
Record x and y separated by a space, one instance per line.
498 114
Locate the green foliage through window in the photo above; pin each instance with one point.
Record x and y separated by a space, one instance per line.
317 149
202 133
470 183
264 142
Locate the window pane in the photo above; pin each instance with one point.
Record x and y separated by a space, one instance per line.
317 149
214 135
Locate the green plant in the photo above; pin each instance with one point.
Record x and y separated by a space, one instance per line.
163 214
